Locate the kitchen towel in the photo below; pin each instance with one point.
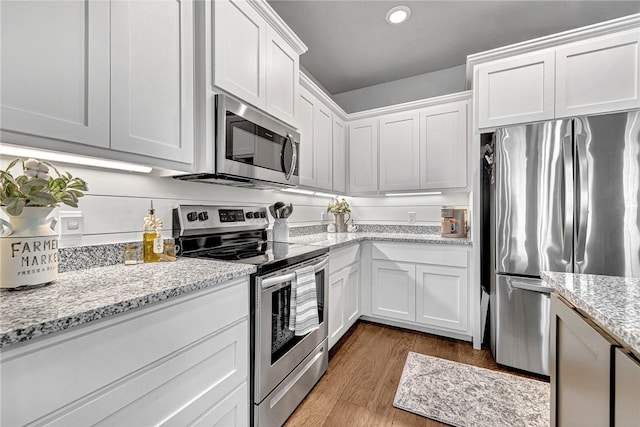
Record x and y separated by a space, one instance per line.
303 314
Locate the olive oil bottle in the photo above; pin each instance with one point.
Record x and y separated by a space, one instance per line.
152 244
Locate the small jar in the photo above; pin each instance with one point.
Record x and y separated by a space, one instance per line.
130 255
171 249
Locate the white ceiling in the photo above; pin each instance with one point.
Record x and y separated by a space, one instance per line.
351 46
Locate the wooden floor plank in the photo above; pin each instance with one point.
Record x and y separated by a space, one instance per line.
363 375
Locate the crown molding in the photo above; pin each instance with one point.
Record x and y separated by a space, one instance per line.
312 87
412 105
599 29
279 25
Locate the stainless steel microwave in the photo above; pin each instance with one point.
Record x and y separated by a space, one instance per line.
250 148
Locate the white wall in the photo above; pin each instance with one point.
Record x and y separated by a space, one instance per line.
443 82
116 203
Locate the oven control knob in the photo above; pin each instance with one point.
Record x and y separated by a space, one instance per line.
249 215
192 216
256 215
203 216
263 214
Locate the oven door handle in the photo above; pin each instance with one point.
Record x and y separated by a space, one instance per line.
271 281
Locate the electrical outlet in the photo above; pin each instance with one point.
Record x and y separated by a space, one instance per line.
323 216
412 217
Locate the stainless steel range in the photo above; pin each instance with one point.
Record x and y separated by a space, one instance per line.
284 366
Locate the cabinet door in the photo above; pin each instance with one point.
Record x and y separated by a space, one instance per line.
399 152
339 156
152 78
393 290
443 146
580 370
55 70
306 123
322 133
442 297
337 325
352 295
282 77
627 390
515 90
239 57
363 156
598 75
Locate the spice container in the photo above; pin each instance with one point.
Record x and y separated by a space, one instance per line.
130 255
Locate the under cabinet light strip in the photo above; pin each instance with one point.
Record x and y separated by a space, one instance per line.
427 193
11 150
298 190
332 196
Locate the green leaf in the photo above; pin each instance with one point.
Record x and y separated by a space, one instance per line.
69 202
76 193
12 164
33 185
14 206
40 198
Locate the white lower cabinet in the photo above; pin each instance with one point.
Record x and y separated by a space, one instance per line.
441 297
178 362
393 290
421 285
344 291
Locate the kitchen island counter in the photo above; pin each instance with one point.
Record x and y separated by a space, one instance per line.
337 240
611 302
83 296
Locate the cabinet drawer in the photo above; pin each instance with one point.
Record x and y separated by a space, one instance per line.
421 253
343 257
176 390
47 374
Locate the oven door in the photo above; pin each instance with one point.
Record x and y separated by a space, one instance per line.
277 350
252 146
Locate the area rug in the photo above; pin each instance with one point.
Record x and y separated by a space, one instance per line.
467 396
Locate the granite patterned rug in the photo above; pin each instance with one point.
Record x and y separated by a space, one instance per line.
467 396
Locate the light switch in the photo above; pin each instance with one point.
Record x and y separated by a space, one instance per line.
412 217
70 224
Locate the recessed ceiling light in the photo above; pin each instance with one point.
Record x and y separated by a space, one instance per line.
398 14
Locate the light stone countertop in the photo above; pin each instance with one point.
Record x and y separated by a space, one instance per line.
82 296
611 302
338 240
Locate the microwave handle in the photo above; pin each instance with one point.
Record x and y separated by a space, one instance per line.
267 283
294 156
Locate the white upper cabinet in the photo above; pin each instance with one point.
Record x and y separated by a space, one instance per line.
152 78
339 156
399 152
515 90
315 122
443 146
322 141
252 60
306 154
598 75
55 70
363 156
240 43
282 77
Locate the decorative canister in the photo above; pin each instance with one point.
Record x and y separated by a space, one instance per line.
28 249
341 223
280 230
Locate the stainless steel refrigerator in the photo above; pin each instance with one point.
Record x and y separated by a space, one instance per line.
566 198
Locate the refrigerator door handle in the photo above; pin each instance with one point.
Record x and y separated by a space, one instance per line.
582 190
534 286
567 154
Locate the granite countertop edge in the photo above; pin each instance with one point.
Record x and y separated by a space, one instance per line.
338 240
25 331
604 307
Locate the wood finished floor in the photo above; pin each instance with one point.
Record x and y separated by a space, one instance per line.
363 374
